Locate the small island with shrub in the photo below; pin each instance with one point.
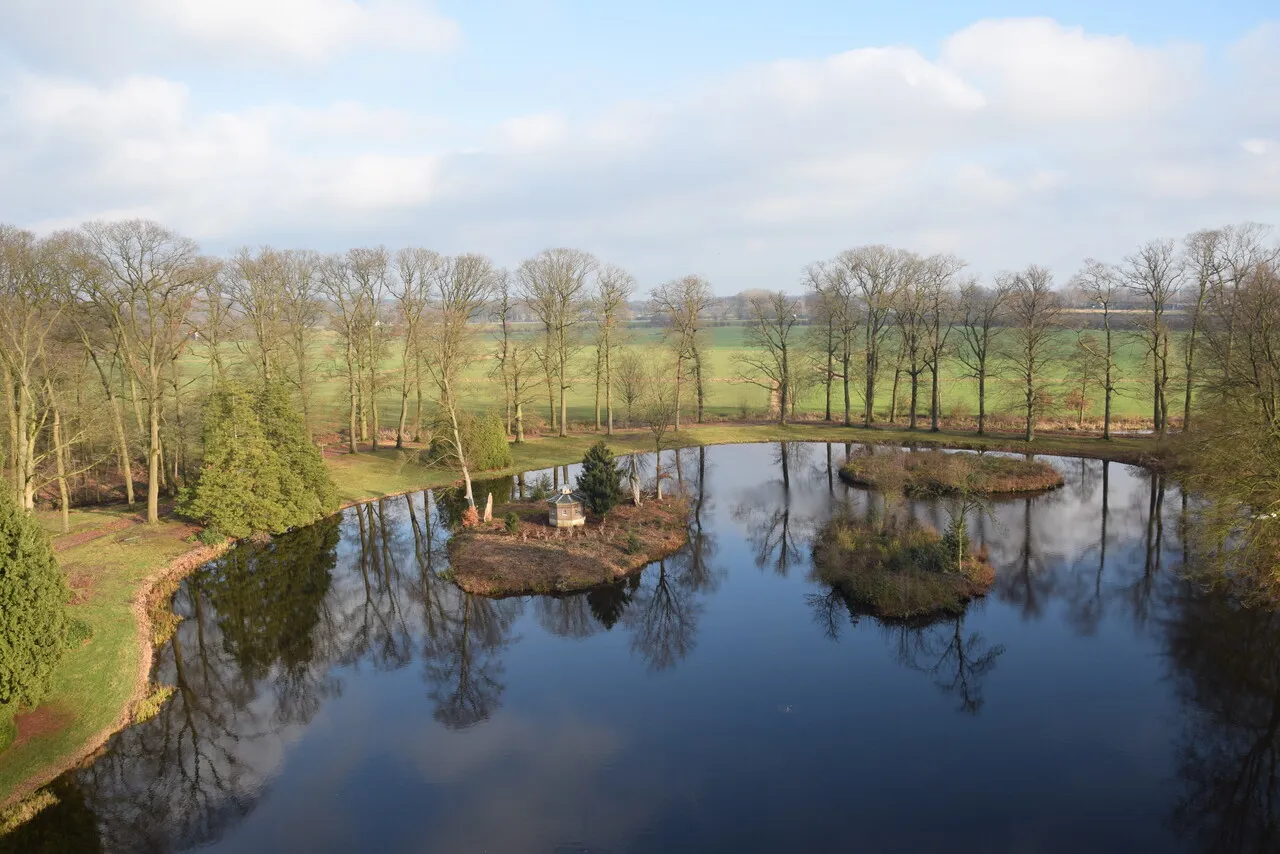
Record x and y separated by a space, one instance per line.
904 571
938 473
568 541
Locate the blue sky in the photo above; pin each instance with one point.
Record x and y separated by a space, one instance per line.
739 140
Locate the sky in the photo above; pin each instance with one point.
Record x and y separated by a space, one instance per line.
737 140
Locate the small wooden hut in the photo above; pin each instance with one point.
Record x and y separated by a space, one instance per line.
566 509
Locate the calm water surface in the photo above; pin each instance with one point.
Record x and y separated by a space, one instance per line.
337 693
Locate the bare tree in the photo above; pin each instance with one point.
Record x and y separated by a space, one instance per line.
1099 283
981 313
936 284
29 310
831 283
615 287
150 280
1154 273
876 274
95 333
682 303
1033 310
370 269
910 318
1202 258
460 296
659 414
771 340
555 286
255 283
347 314
417 271
632 379
300 314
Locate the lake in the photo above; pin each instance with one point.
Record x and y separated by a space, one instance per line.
336 692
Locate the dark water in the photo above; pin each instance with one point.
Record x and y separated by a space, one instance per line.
337 693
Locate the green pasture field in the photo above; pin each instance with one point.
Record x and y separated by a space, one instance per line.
730 392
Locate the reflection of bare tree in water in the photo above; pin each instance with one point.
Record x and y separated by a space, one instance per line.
766 513
377 624
1030 583
1086 600
940 647
958 662
663 617
1138 595
1225 660
463 667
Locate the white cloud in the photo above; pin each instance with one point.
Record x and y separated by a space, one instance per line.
1023 141
129 34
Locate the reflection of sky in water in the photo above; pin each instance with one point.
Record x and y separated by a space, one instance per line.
722 701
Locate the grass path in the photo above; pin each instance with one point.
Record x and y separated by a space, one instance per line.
113 563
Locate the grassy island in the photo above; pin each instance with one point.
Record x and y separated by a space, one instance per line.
935 472
529 556
900 572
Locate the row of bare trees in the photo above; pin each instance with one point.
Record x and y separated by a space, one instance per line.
111 334
877 314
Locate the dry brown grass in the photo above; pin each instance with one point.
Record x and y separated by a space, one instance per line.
933 472
537 558
897 573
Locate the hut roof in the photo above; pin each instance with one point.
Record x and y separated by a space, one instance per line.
566 496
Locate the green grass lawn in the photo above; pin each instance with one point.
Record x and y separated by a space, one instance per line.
95 681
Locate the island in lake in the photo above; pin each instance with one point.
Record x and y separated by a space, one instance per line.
521 551
901 571
938 473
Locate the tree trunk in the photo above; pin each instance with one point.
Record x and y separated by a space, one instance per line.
153 462
608 388
915 395
934 401
599 362
845 365
1030 432
60 460
830 376
982 397
373 399
117 421
353 392
679 374
697 381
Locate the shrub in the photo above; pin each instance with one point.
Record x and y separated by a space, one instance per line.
484 441
470 517
210 536
78 632
33 619
512 523
541 489
600 481
149 706
633 545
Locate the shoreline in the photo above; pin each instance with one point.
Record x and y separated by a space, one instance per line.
1129 450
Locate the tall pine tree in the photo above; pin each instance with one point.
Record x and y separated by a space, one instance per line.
287 436
33 620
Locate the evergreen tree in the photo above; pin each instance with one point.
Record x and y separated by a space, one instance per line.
239 491
33 622
286 434
600 481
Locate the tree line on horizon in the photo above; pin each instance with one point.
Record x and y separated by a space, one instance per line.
114 334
